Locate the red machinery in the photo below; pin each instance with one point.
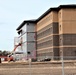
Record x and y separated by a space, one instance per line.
10 56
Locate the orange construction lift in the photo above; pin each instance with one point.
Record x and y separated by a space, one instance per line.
10 57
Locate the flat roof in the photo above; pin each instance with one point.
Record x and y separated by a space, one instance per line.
44 14
24 22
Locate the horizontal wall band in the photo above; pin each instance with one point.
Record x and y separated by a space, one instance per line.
48 48
46 37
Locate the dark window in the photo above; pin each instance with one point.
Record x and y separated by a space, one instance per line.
60 41
75 53
29 52
60 15
27 23
60 27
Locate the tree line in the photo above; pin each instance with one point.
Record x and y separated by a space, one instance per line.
4 53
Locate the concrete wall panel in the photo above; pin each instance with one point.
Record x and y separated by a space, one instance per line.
31 37
30 27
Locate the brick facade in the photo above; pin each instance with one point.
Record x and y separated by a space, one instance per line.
56 32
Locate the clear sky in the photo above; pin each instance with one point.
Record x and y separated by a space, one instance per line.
13 12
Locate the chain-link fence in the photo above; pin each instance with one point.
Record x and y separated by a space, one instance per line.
41 66
64 65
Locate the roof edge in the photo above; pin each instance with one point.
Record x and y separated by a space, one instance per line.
47 12
24 22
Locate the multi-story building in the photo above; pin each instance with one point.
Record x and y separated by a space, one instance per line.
55 32
27 38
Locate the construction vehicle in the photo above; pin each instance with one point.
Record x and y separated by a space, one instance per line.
10 57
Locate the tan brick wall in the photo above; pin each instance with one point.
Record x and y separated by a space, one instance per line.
50 18
67 20
60 21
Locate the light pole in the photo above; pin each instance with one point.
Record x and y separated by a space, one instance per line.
30 66
62 58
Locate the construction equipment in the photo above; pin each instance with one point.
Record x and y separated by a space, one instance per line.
10 56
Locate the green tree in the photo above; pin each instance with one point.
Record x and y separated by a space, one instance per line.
0 53
5 53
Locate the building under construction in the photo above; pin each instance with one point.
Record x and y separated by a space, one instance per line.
27 38
53 34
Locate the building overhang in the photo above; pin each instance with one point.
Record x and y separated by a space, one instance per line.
19 31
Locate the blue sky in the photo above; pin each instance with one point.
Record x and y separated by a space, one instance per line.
13 12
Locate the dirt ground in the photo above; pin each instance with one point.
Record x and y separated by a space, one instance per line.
36 69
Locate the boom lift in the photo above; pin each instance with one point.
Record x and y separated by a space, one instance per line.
10 56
